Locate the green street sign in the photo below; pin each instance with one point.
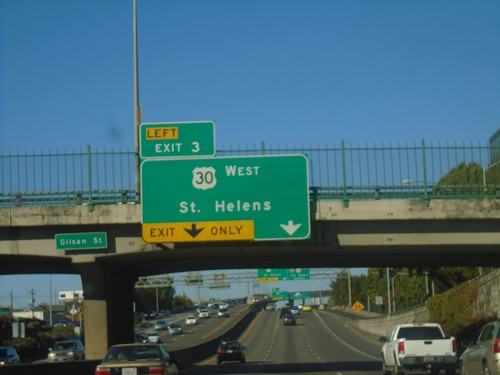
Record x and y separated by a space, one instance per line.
299 295
177 139
280 274
299 273
226 198
279 295
81 241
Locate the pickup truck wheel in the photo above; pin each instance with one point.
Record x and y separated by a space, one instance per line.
397 370
384 369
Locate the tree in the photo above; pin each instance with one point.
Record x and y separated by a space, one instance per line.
462 174
146 298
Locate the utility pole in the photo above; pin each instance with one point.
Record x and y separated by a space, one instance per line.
31 302
388 290
11 304
50 301
137 108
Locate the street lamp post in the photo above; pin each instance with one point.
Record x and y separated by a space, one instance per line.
137 108
484 173
388 274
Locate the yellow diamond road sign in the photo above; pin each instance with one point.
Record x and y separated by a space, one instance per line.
358 307
231 230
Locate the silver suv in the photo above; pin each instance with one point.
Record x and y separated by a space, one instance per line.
482 355
67 350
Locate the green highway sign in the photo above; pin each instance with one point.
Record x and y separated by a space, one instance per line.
177 139
280 274
81 241
299 295
226 198
279 295
299 273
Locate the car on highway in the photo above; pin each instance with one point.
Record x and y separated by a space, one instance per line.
223 313
175 329
289 320
8 355
141 338
284 311
65 323
231 351
201 307
137 359
271 307
150 315
306 308
154 337
204 313
164 312
191 319
161 325
482 353
295 310
67 350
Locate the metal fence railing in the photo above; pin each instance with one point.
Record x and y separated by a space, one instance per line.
343 172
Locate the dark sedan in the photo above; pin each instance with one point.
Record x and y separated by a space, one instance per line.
289 320
231 351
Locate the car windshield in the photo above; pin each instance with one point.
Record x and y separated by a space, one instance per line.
230 345
132 354
3 352
63 345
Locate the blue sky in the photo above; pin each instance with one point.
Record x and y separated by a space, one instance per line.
283 72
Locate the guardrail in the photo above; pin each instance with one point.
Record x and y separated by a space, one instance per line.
417 171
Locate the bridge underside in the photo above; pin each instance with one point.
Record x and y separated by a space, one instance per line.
108 275
418 243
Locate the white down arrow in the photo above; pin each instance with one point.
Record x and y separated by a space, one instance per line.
290 228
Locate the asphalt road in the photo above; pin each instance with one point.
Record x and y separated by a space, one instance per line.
320 343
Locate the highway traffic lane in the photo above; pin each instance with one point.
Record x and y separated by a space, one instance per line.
204 330
354 338
273 348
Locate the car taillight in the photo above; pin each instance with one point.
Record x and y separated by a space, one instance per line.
237 351
401 347
496 346
221 351
156 370
454 346
102 371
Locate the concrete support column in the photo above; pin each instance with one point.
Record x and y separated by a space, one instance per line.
108 307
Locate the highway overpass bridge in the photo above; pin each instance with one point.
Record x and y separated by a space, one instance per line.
417 205
365 233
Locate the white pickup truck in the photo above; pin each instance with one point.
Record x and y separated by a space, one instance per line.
419 346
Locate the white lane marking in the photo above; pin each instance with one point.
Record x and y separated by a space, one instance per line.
347 344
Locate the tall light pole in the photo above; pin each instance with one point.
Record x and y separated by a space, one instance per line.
137 108
484 173
349 286
388 274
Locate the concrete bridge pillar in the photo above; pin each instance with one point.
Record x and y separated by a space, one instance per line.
108 307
